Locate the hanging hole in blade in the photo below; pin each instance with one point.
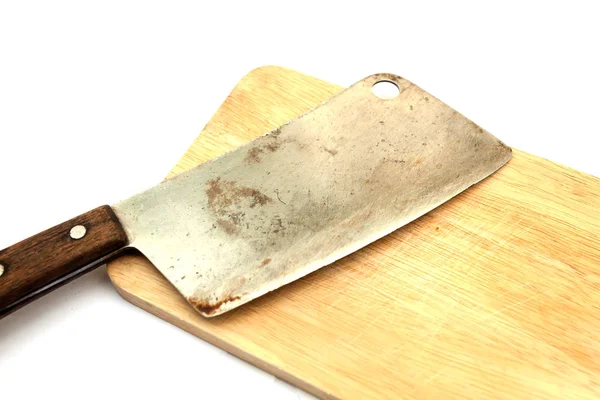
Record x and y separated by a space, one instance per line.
385 90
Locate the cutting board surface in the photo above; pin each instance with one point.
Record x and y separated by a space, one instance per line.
494 294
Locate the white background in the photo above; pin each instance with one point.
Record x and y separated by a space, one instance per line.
98 100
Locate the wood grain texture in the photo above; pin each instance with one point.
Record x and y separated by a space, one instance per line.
34 266
495 294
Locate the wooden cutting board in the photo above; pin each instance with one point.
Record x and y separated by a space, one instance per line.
494 294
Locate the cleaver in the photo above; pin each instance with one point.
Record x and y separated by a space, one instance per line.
350 171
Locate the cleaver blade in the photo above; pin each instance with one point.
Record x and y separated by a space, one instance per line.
306 194
300 197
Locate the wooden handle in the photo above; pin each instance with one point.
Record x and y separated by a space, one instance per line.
37 265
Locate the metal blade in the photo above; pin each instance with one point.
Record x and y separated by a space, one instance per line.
324 185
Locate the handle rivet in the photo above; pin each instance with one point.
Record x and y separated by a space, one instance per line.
1 269
77 232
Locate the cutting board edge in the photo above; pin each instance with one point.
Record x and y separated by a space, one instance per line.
113 274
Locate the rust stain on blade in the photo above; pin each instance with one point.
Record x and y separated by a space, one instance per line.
265 262
229 226
223 194
208 308
254 155
228 201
